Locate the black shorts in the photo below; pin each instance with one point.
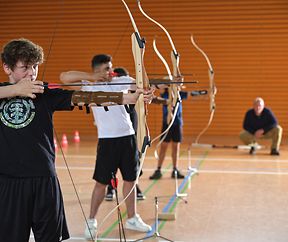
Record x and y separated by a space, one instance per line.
31 203
174 133
116 153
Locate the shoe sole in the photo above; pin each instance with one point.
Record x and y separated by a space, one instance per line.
87 235
127 226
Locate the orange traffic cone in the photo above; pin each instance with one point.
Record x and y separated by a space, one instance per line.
76 137
64 141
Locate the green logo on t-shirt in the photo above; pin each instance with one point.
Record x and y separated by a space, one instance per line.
17 113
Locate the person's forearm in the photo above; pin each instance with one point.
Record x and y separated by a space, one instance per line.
159 100
269 127
8 91
249 128
23 88
272 122
248 123
76 76
80 98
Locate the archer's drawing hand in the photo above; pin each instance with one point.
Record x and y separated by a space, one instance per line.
28 88
131 98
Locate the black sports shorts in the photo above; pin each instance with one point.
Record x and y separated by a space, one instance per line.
174 133
31 203
116 153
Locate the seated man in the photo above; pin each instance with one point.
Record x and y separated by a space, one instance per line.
260 123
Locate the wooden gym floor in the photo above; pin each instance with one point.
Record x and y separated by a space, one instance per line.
235 197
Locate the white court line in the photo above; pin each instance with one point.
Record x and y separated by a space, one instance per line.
103 239
258 159
256 172
114 239
89 156
243 172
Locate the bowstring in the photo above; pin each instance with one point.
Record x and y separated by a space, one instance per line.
57 21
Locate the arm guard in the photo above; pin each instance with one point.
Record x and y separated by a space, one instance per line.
98 98
159 100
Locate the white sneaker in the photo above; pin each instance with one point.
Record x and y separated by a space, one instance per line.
137 224
91 229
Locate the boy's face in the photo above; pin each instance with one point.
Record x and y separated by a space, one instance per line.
21 71
105 69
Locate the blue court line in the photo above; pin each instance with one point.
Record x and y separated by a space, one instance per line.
172 200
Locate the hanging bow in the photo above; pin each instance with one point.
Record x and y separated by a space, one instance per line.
212 93
212 90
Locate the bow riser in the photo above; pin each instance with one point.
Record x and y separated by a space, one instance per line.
175 58
138 47
212 92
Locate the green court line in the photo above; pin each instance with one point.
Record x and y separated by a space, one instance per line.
124 214
172 208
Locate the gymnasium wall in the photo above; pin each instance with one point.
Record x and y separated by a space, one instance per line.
246 41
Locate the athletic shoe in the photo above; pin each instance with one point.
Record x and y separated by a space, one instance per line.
140 195
109 194
156 175
178 173
137 224
274 152
90 229
252 151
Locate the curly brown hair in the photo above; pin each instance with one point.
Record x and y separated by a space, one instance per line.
21 50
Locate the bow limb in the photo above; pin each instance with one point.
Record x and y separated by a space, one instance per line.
160 25
142 81
164 133
170 78
174 95
212 91
174 98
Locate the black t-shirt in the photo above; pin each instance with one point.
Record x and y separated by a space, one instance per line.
26 133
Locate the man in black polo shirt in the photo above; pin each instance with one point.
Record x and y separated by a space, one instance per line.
260 123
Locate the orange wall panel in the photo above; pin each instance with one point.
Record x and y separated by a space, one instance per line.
245 40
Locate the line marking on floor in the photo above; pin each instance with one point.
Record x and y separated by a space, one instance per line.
171 205
124 214
255 159
207 171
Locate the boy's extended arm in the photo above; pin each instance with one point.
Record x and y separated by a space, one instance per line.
80 98
69 77
24 88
